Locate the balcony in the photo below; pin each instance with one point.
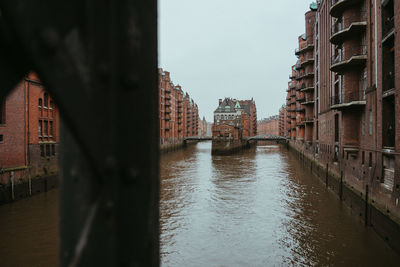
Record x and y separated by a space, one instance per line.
292 76
167 96
309 100
308 120
300 122
308 45
348 100
308 60
167 110
307 87
353 57
388 82
167 117
305 75
350 26
298 65
301 98
297 51
338 6
387 27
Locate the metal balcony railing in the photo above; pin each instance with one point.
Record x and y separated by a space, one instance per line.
306 44
298 64
349 53
309 99
388 26
340 25
307 119
388 82
348 97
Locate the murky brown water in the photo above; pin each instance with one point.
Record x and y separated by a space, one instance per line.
258 208
29 231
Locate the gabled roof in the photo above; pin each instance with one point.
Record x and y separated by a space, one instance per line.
226 106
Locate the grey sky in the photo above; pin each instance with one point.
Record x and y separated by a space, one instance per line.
231 48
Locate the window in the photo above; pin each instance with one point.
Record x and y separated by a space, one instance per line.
3 112
370 121
364 83
363 124
42 151
370 160
388 122
48 150
51 104
363 158
40 128
40 103
1 138
46 99
51 128
46 128
53 150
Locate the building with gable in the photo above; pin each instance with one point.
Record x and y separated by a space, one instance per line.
234 119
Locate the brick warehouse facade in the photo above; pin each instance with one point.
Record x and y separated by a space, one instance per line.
283 118
235 119
178 113
268 126
343 97
29 127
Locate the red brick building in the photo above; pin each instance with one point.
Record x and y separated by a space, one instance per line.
269 126
178 113
235 119
343 100
283 130
29 127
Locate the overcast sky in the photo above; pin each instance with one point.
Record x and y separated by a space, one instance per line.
231 48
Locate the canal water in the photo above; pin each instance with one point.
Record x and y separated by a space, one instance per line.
256 208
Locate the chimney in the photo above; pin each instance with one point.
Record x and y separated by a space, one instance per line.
219 101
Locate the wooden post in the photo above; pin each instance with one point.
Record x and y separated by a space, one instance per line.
341 186
326 175
366 205
12 185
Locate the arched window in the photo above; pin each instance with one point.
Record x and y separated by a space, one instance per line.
46 100
51 104
40 102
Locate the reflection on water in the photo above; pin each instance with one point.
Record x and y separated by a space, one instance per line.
256 208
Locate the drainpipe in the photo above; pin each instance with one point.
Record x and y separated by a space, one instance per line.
376 94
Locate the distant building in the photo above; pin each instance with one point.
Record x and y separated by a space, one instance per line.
283 130
235 119
178 113
269 126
